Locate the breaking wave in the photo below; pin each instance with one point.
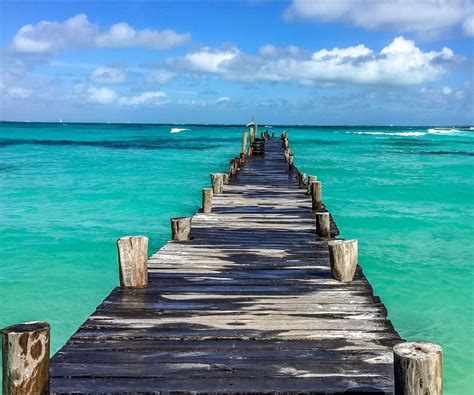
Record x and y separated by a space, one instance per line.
431 131
177 130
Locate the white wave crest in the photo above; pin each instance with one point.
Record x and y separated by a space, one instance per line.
444 131
177 130
408 134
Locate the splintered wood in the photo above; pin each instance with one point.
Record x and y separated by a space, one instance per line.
247 305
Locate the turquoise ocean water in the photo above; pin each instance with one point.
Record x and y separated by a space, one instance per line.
68 191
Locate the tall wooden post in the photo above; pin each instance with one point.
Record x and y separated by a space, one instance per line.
133 261
316 196
25 358
207 200
181 228
418 368
225 178
217 181
323 224
343 258
244 142
242 158
311 179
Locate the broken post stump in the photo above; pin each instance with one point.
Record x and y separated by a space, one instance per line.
217 181
181 228
343 259
323 224
418 368
207 200
133 261
25 358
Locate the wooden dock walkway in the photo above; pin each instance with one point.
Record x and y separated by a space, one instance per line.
248 305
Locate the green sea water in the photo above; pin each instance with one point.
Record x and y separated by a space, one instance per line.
68 191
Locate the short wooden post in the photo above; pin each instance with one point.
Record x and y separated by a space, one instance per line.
302 180
232 168
418 368
242 158
217 181
181 228
316 196
323 224
207 200
311 179
343 258
244 142
25 358
225 178
133 261
290 161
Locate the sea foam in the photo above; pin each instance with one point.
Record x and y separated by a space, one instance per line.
177 130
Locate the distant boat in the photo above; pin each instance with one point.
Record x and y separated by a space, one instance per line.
60 120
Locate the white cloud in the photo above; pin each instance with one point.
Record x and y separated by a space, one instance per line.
209 60
426 17
146 98
19 92
468 26
399 63
447 90
108 75
78 32
101 95
223 100
270 50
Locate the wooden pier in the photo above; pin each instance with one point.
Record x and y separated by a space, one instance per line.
247 305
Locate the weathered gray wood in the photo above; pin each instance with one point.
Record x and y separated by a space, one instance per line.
225 178
343 258
25 358
217 181
418 368
311 179
244 142
316 196
323 224
207 194
248 305
181 228
302 180
242 158
133 261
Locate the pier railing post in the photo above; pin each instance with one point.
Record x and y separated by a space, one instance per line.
242 158
25 358
181 228
316 196
217 181
302 180
244 142
418 368
343 257
225 178
311 179
207 200
323 225
133 261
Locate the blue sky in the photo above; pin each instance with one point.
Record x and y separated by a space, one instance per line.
295 62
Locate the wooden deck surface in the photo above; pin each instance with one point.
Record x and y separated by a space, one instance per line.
247 306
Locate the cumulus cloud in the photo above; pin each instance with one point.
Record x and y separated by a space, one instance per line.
399 63
101 95
108 75
426 17
78 32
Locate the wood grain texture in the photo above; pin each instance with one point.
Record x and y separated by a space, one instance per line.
248 305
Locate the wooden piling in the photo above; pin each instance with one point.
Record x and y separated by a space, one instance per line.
316 196
244 142
207 200
242 158
302 180
290 161
181 228
133 261
217 181
25 358
225 178
311 179
323 224
418 368
343 259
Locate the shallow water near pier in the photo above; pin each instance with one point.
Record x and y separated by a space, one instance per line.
68 191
